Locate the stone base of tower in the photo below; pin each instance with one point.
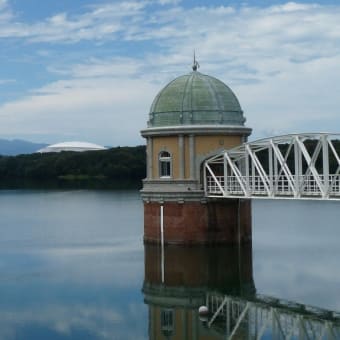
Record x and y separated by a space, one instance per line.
225 221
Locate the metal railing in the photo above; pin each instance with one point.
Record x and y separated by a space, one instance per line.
280 186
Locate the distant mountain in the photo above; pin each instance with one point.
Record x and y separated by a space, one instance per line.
18 146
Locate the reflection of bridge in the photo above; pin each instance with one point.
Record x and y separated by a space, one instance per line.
291 166
262 317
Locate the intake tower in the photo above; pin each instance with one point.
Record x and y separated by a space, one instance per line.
192 118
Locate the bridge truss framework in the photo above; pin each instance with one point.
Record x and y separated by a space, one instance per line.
299 166
263 317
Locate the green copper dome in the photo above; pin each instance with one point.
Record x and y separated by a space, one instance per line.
195 99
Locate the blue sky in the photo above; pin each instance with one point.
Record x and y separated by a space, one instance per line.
89 70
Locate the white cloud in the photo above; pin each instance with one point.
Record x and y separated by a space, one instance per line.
117 67
98 23
99 103
3 4
98 321
292 7
282 61
6 81
169 2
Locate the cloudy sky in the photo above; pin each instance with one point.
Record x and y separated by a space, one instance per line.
89 69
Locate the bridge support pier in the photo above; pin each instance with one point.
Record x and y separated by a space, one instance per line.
226 221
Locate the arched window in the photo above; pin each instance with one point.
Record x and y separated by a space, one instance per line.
164 164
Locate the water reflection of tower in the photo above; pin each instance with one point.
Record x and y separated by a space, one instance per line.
176 288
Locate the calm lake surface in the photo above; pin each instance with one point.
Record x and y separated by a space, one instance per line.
72 263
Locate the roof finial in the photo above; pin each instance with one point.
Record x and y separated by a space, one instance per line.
195 65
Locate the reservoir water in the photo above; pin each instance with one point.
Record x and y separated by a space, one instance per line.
73 265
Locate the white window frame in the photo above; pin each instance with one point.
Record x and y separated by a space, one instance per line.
165 159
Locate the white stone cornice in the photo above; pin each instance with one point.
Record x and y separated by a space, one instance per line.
196 130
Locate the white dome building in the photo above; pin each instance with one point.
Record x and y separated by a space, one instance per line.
72 146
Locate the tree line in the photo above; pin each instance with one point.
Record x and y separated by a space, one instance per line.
119 163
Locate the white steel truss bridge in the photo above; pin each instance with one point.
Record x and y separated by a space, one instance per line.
264 317
298 166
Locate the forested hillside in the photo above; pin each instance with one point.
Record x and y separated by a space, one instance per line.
127 163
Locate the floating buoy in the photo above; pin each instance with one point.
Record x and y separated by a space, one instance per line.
203 311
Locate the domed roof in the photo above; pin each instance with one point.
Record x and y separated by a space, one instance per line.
71 146
195 99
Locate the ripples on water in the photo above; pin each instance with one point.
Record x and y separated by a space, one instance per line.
72 266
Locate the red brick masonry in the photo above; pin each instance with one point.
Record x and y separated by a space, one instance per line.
199 223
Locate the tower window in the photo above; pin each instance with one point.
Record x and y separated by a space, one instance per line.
165 164
167 322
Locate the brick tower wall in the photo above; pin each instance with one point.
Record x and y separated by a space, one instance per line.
225 221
